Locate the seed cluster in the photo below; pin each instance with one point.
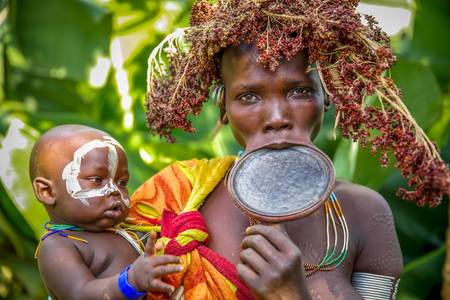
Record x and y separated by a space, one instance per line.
351 56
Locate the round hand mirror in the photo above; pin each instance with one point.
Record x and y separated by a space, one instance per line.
274 185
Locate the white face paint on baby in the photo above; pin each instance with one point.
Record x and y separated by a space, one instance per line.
72 171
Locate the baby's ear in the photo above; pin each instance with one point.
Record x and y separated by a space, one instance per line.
43 188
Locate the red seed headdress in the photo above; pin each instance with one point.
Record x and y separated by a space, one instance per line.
352 59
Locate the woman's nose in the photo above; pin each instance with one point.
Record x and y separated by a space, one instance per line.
278 117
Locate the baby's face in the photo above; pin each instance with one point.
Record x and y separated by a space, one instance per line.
93 187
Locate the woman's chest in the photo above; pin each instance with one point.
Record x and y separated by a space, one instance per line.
227 224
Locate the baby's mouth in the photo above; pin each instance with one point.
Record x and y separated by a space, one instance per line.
115 210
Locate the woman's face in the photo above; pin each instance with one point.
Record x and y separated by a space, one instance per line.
265 108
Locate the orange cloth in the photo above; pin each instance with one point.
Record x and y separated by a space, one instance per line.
168 203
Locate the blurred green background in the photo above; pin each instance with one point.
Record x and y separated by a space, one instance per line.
79 61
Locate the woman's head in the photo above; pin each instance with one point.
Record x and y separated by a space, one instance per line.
340 46
351 58
266 108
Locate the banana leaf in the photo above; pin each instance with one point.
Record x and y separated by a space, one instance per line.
15 152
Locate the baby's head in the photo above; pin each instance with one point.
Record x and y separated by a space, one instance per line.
80 174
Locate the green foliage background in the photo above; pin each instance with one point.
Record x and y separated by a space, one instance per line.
48 49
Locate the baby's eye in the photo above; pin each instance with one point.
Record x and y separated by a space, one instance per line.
300 92
122 182
248 98
95 179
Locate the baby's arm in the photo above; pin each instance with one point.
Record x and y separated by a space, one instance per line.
67 276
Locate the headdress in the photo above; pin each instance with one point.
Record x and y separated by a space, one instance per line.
352 58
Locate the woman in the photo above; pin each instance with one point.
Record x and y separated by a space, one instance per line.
271 62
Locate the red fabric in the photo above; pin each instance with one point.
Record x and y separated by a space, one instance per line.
228 270
204 274
172 225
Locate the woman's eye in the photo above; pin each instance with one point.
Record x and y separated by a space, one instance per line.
248 98
300 92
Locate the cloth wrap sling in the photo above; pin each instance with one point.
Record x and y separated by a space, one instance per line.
168 203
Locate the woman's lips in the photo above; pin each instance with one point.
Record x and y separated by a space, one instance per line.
279 145
274 144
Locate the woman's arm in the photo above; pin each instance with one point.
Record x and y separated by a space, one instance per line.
379 262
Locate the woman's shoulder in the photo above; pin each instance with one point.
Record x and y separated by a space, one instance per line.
372 224
360 199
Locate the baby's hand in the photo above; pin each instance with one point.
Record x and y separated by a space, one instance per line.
146 271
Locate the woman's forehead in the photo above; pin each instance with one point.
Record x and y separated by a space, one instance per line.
240 63
241 51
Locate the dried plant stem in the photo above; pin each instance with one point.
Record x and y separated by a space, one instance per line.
367 41
156 65
420 135
337 81
283 16
322 80
180 82
336 123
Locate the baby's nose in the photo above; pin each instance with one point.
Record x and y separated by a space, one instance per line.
112 189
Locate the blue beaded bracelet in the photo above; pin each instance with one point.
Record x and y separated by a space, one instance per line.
126 288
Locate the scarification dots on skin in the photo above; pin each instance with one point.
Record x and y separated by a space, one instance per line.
385 259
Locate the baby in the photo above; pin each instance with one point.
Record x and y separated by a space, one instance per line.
80 174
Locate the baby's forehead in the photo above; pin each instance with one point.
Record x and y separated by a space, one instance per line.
95 145
79 146
100 153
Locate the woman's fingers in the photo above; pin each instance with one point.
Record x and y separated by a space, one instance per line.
262 246
178 294
280 253
275 235
253 260
279 226
271 264
247 275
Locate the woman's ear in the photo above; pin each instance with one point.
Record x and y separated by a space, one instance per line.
326 101
223 111
44 190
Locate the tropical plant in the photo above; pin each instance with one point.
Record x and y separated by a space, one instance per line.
78 61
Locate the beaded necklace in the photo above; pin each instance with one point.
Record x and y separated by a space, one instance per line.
62 229
331 259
